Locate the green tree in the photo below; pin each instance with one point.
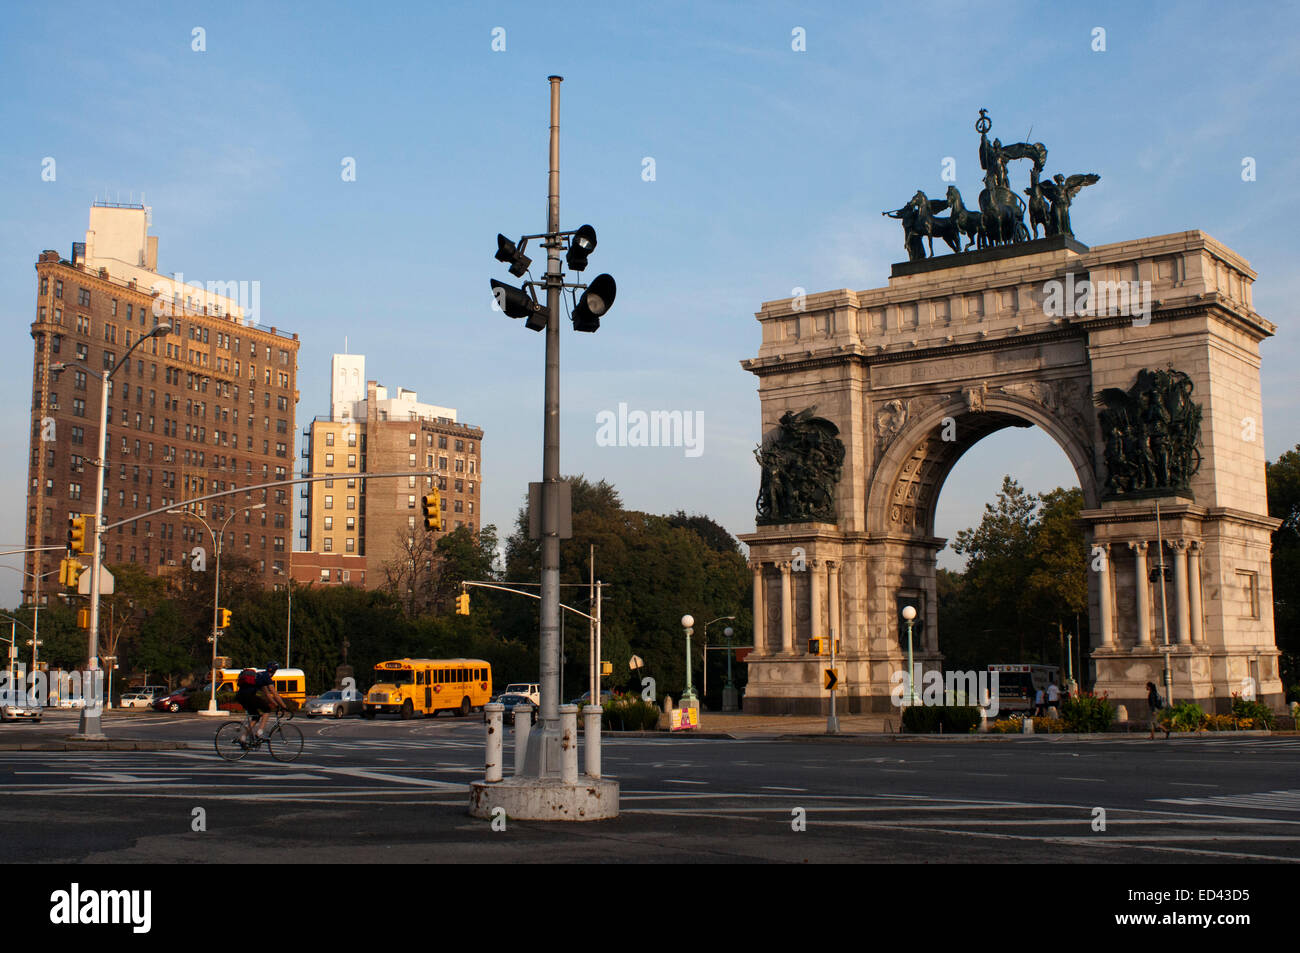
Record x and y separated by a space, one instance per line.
657 568
1026 574
1283 480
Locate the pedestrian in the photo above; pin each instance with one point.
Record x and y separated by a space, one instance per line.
1155 703
1038 703
1053 694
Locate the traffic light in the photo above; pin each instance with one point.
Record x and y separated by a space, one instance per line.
223 618
76 534
462 604
595 301
517 303
83 618
432 507
70 572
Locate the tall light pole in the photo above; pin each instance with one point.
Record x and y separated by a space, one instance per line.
217 540
547 788
909 614
730 701
725 618
288 629
90 726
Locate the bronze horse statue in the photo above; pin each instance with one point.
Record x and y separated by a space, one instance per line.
930 225
967 222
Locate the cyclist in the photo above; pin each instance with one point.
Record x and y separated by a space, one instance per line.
260 697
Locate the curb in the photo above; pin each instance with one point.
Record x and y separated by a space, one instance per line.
103 746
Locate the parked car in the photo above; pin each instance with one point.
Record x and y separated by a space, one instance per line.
136 700
20 713
531 689
585 698
173 702
334 704
71 703
511 700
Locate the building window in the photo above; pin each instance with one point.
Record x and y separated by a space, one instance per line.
411 440
352 502
329 523
329 459
352 523
329 438
442 443
350 545
410 502
352 438
324 575
329 502
329 544
352 460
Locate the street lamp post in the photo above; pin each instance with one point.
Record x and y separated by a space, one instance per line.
909 613
288 629
90 727
217 540
725 618
688 695
730 697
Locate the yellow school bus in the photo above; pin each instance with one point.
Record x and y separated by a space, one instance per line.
291 683
422 686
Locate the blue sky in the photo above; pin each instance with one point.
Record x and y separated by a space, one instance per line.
771 169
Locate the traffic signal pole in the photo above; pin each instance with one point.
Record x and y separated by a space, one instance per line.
90 727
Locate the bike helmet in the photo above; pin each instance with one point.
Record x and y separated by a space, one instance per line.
271 668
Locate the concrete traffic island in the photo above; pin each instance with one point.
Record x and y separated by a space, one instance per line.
545 799
541 796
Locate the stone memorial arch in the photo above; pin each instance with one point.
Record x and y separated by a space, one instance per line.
1147 377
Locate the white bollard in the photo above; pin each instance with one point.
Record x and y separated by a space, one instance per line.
1121 713
1027 726
591 738
569 744
523 725
984 721
495 742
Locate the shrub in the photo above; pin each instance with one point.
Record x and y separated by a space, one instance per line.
931 719
1051 726
1086 713
1256 712
1185 716
629 712
1006 726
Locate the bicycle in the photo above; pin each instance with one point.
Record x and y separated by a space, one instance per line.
284 740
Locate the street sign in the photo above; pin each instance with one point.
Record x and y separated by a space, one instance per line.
105 582
832 678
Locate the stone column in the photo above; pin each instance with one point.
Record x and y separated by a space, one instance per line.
1143 592
760 609
814 600
1194 593
787 613
1105 601
833 590
1182 625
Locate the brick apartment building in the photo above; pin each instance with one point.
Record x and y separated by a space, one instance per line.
354 526
206 408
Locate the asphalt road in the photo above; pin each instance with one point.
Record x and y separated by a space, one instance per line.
393 791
